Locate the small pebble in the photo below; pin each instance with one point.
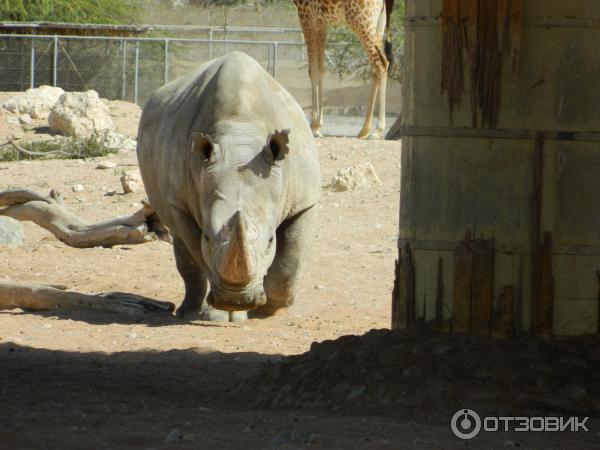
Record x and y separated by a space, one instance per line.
174 435
11 120
25 119
77 188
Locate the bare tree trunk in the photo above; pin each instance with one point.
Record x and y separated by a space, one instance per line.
35 297
51 214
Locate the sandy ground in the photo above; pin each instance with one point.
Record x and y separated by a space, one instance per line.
345 288
77 379
83 378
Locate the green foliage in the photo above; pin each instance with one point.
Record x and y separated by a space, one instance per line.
70 148
346 57
76 11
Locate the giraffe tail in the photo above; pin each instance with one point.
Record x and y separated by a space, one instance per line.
387 49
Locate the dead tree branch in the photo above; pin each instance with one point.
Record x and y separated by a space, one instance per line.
51 214
35 297
31 153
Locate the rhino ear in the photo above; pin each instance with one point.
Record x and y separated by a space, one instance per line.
203 145
277 146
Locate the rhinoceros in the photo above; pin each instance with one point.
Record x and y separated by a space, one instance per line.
231 168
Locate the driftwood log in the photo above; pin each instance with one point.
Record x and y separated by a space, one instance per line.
34 297
50 213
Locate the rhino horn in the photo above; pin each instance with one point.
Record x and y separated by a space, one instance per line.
236 265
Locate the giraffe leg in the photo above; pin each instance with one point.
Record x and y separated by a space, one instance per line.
370 36
315 46
381 114
366 128
322 40
379 66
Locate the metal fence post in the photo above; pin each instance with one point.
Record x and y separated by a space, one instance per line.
166 75
210 44
270 58
274 59
137 69
55 62
32 66
124 63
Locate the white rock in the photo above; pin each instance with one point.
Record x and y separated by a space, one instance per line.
106 165
25 119
35 102
79 114
77 188
356 177
11 120
11 232
132 181
117 141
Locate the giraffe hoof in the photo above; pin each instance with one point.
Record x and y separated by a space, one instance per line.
363 134
317 134
376 135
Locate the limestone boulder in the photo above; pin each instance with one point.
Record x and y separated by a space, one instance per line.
80 115
356 177
36 102
117 141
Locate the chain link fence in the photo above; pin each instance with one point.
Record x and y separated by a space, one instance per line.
131 69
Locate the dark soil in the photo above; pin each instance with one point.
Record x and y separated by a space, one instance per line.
427 375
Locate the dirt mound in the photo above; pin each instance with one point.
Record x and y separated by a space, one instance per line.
429 375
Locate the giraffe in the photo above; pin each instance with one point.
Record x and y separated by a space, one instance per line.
368 19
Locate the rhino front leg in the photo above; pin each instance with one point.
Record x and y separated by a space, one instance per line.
194 280
196 285
294 237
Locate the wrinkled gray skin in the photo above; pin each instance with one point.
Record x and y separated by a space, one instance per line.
231 167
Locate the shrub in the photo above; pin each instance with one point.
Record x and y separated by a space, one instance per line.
68 148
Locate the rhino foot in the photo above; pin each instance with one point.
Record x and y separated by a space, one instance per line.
238 316
214 315
211 314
